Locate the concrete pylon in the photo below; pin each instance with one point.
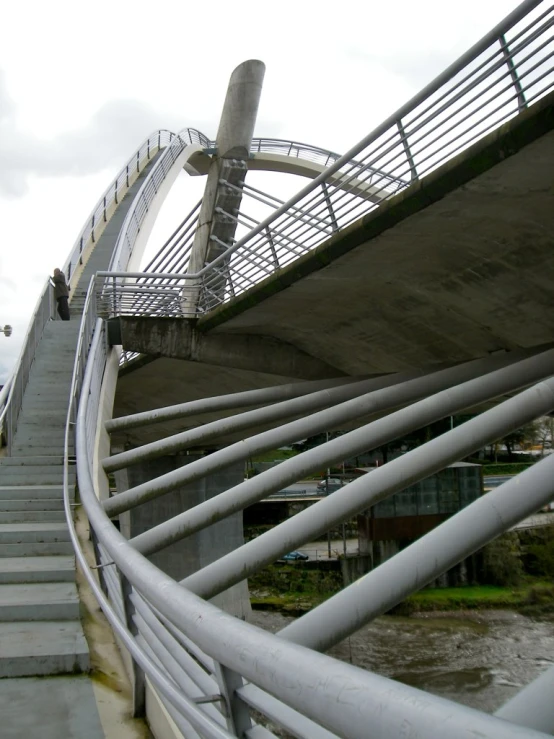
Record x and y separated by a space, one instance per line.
216 230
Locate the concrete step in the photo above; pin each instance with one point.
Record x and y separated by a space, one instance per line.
22 533
37 569
35 461
32 492
47 475
23 505
42 648
36 549
23 448
50 601
31 516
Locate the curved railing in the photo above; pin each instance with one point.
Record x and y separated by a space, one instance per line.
105 206
507 71
9 413
211 669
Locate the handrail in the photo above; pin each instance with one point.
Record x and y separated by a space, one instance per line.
410 143
374 703
103 208
9 413
490 80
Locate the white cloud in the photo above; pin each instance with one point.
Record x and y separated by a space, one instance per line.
80 93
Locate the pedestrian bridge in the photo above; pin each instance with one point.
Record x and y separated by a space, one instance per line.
409 280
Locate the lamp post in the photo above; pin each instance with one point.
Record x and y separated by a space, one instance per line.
6 330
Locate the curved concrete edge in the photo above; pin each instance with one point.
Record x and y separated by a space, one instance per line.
109 674
156 204
305 168
502 143
88 246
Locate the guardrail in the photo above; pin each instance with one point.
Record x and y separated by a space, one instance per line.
214 671
45 309
508 70
107 203
12 402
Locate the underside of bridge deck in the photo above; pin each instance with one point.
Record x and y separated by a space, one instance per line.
457 267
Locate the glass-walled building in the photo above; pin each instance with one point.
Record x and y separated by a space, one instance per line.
446 492
417 509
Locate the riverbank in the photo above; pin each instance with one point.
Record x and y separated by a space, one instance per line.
533 597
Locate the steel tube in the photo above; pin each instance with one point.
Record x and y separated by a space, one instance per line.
363 439
375 704
368 404
282 715
533 706
181 705
204 683
370 489
174 669
443 547
303 404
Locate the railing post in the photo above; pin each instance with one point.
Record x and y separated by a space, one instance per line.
92 229
115 191
521 101
334 223
127 174
272 247
406 146
138 680
105 219
138 161
238 718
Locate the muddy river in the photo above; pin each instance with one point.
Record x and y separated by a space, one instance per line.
481 659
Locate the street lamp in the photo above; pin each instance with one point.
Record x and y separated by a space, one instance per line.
7 330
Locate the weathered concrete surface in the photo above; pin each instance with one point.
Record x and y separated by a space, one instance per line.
176 337
457 266
454 268
152 383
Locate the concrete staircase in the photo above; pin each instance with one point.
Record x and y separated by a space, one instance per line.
40 630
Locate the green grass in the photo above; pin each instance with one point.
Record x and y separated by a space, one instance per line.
479 596
505 468
533 597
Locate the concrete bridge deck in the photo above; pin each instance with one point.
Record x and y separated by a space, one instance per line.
458 266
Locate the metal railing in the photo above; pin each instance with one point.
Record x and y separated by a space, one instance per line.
211 669
105 206
13 400
45 309
507 71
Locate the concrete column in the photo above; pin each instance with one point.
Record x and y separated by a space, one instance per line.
233 141
189 555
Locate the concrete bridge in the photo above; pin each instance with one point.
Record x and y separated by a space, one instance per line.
409 280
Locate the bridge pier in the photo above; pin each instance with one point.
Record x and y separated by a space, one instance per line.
188 555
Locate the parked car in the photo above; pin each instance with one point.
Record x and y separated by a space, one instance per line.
294 557
332 484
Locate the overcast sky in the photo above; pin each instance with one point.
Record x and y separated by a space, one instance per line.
80 90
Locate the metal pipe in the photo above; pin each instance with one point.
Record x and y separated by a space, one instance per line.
442 548
533 706
203 682
375 704
370 489
348 445
329 396
368 404
182 705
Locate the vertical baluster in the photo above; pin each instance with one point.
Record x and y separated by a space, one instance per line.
521 101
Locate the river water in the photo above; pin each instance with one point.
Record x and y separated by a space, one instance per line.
479 659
